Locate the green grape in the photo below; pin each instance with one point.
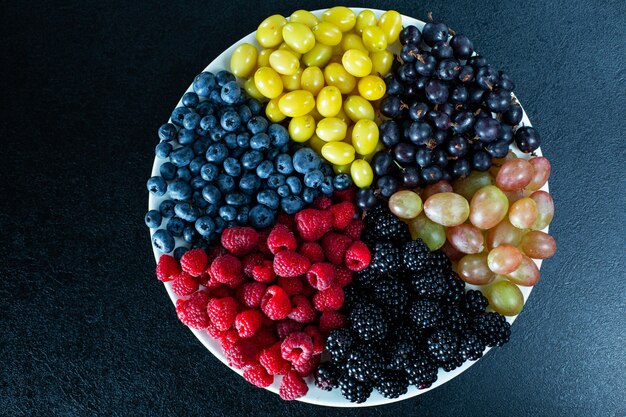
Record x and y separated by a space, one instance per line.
505 298
538 245
473 269
433 234
514 175
447 209
523 213
488 207
466 238
527 274
504 259
545 209
468 186
504 232
405 204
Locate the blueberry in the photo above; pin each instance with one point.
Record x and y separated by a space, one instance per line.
232 167
326 170
309 194
224 77
220 224
217 152
215 97
203 244
162 150
183 174
257 124
292 204
205 108
275 180
204 83
255 106
166 208
208 122
265 169
268 198
179 252
230 141
200 146
278 135
314 178
168 171
243 140
186 136
217 134
236 199
189 234
230 121
190 100
182 156
261 216
306 160
163 241
186 211
205 226
244 113
249 183
225 183
295 185
251 159
342 182
196 164
157 186
243 215
167 132
260 142
191 121
153 219
199 201
210 210
178 115
179 190
326 187
283 191
175 226
230 92
228 213
209 171
284 164
197 183
211 194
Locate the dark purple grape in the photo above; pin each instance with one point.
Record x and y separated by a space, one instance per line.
425 64
391 106
439 119
389 133
486 77
418 111
409 52
431 174
460 168
388 184
410 177
423 156
410 34
498 149
411 91
505 82
477 61
439 137
462 121
475 95
481 161
447 108
513 115
382 163
365 198
434 32
462 46
498 100
487 129
442 50
407 73
448 69
527 139
394 87
404 153
466 74
421 83
440 157
436 91
506 133
457 145
420 133
459 94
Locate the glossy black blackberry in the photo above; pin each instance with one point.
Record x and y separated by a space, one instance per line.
421 370
426 314
383 226
353 390
471 346
392 296
327 376
452 364
415 255
351 296
392 384
385 258
364 363
455 319
455 290
369 322
429 283
338 344
399 354
368 278
440 262
443 345
474 302
492 328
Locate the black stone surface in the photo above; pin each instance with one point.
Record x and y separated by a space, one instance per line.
86 329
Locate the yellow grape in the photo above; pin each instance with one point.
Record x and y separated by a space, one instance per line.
340 16
268 82
269 33
504 259
312 80
292 82
319 56
372 87
343 116
316 115
329 101
391 24
284 47
381 62
365 19
272 111
316 143
251 89
356 62
374 39
284 62
473 269
327 33
348 138
296 103
361 173
338 153
298 37
352 41
365 136
331 129
505 298
447 209
342 169
433 234
243 60
523 213
304 16
538 245
488 207
405 204
357 108
263 58
302 128
335 74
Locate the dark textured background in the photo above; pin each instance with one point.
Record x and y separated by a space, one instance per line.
86 329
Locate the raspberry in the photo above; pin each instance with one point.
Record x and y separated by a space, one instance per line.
257 375
228 339
303 312
286 327
250 261
354 229
222 312
329 299
193 311
317 338
343 276
313 224
307 367
264 272
321 275
241 354
297 348
215 251
292 286
209 281
322 202
250 294
290 264
292 386
349 194
271 359
248 323
184 285
358 256
275 303
312 251
286 219
240 240
262 245
335 246
343 213
214 332
167 268
331 320
280 239
204 279
194 262
264 337
226 268
220 291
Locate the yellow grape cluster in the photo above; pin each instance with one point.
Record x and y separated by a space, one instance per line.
325 75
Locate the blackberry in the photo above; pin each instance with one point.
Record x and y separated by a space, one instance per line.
421 370
392 384
385 258
453 363
368 278
338 344
400 353
443 345
369 322
351 295
440 262
383 226
429 284
492 328
455 319
353 390
364 363
456 286
474 302
327 376
392 296
471 346
426 314
415 255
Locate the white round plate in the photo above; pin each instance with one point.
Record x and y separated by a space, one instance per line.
317 396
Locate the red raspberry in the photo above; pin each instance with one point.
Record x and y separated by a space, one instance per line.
358 256
262 245
250 294
303 312
265 337
240 240
321 275
236 282
184 285
307 290
343 213
192 312
226 268
286 327
194 262
322 202
317 338
292 386
248 322
275 303
271 359
257 375
229 338
264 272
307 367
220 291
241 354
292 286
209 281
250 261
222 312
167 268
348 194
331 320
354 229
297 348
313 224
335 246
214 332
280 239
290 264
312 251
329 299
215 251
343 276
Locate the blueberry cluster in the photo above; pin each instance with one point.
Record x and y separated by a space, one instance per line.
228 166
408 316
450 112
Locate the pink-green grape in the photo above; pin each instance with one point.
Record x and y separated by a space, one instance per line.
466 238
514 175
473 269
527 274
405 204
433 234
504 232
504 259
545 209
541 173
538 245
496 163
523 213
447 209
442 186
451 252
513 196
488 207
468 186
505 298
